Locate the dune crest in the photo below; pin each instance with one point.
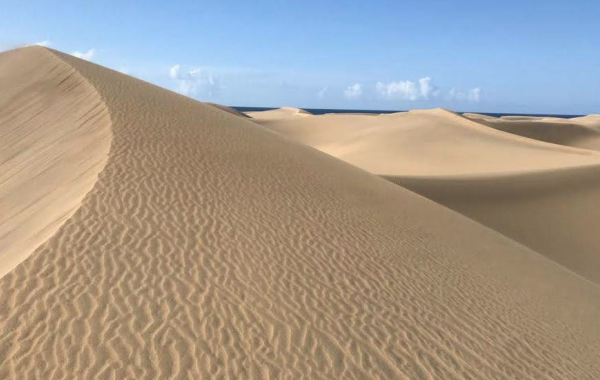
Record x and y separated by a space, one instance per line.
54 140
283 112
228 109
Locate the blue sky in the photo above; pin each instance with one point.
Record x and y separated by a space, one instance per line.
496 56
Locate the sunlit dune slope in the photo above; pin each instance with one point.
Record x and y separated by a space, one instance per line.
542 195
279 113
210 247
54 140
424 143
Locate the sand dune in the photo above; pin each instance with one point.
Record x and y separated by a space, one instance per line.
425 143
210 247
279 113
583 132
553 212
228 109
541 195
54 140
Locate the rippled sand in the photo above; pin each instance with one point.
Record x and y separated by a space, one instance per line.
202 245
538 184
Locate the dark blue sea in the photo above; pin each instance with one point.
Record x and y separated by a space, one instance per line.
321 111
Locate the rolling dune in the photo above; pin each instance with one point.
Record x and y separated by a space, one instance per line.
211 247
424 143
542 195
581 132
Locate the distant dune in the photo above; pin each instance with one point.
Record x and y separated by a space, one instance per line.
284 112
581 132
424 143
197 244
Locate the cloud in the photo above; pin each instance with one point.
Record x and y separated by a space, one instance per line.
44 43
322 92
454 95
353 91
195 80
427 88
402 89
174 72
408 90
88 55
474 94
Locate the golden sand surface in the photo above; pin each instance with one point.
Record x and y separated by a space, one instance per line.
192 243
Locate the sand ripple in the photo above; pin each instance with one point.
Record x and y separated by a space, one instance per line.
212 248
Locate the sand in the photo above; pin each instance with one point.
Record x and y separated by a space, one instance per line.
543 195
581 132
54 140
211 247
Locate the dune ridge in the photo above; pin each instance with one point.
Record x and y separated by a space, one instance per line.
210 247
54 140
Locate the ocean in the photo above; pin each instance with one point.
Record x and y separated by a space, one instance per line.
321 111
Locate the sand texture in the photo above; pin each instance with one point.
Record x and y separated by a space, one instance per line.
54 140
210 247
536 185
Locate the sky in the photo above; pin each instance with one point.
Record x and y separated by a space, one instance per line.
528 56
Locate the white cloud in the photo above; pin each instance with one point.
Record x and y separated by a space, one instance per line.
408 90
174 72
474 94
191 82
322 92
353 91
403 90
88 55
44 43
427 88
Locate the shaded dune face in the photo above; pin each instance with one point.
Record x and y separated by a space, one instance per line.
552 212
211 247
581 132
54 140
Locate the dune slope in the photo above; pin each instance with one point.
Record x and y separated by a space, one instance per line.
210 247
542 195
423 143
54 140
228 109
581 132
552 212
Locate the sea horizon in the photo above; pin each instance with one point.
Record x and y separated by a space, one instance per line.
322 111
